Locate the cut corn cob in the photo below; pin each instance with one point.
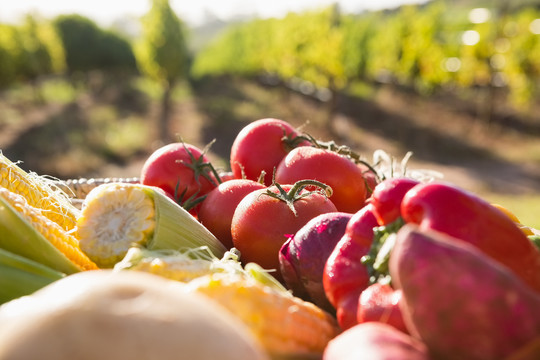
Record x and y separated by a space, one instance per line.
39 192
25 231
21 276
117 216
285 325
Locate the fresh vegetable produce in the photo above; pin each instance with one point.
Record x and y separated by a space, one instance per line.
176 265
526 229
183 265
310 251
303 256
380 302
529 351
20 276
337 171
260 146
117 216
387 197
119 316
266 218
217 210
286 325
182 170
535 239
461 302
375 341
25 231
344 276
40 192
449 209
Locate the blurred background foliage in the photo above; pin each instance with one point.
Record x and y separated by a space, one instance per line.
440 44
69 86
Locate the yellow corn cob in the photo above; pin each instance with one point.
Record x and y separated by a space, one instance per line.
38 192
24 230
526 229
285 325
116 216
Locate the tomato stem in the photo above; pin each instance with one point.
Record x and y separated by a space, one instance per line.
189 203
332 146
295 192
200 167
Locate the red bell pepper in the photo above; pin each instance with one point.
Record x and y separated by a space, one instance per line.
344 275
380 302
387 196
353 266
467 217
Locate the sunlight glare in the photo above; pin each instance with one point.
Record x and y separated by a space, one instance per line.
479 15
470 37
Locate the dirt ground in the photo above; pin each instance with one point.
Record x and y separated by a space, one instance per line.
443 135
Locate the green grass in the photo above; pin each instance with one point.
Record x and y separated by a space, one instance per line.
51 90
525 207
361 89
116 135
58 91
154 90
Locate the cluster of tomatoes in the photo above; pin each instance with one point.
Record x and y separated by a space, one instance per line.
279 180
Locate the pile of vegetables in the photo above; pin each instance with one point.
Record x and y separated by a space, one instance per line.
304 249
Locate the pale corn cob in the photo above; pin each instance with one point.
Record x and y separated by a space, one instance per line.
174 265
39 192
27 232
116 216
285 325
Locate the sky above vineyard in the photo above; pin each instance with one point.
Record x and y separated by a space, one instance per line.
193 12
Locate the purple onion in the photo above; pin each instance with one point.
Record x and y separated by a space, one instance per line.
303 256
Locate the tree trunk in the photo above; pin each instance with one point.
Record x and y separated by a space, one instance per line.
164 135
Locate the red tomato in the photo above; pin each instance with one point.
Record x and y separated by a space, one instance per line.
217 209
261 223
179 168
259 147
226 176
339 172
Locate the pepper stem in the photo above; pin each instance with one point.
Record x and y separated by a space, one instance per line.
378 257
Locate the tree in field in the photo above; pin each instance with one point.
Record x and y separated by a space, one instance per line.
162 54
88 47
80 37
10 54
43 53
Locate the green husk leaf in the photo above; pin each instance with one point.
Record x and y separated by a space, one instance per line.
535 239
20 276
18 236
177 229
